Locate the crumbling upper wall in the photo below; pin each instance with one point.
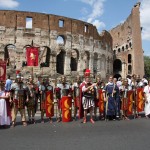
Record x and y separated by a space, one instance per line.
122 33
17 20
106 38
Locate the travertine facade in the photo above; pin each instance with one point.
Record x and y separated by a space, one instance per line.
66 45
127 46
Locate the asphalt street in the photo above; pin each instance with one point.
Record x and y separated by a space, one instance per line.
111 135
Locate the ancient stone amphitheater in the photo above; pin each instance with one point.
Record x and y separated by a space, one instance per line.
68 46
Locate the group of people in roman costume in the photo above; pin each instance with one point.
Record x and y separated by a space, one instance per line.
113 100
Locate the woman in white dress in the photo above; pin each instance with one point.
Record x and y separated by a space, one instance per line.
4 96
147 99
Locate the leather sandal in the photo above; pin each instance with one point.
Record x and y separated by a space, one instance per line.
13 125
24 124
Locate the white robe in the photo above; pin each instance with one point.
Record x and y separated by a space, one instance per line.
4 119
147 105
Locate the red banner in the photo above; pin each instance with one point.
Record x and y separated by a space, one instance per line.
66 108
2 70
49 104
32 56
101 101
130 103
139 100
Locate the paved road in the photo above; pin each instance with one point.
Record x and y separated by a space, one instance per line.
111 135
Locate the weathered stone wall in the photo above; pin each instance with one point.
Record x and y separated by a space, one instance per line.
89 44
82 44
127 41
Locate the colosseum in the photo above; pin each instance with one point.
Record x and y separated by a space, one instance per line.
69 46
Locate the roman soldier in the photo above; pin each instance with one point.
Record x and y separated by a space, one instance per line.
19 95
32 100
76 95
62 89
88 97
96 96
124 98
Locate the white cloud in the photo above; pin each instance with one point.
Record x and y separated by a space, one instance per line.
97 7
145 22
99 24
8 3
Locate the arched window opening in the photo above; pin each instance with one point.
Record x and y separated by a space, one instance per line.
129 58
123 48
74 60
117 66
10 55
119 50
60 40
126 47
60 62
44 57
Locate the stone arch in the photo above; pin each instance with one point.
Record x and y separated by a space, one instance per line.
117 66
86 58
60 40
95 63
44 56
103 63
74 60
60 61
10 55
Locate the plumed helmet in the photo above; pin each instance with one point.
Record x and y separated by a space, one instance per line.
87 73
18 76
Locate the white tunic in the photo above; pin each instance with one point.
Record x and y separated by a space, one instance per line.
147 105
4 119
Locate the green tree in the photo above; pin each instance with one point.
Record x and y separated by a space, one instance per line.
147 66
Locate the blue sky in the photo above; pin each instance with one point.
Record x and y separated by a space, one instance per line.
105 14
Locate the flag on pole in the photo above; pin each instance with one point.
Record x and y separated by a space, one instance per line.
32 56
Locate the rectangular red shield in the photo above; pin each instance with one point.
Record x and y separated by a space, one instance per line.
49 104
139 100
66 108
32 56
2 70
101 101
130 102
